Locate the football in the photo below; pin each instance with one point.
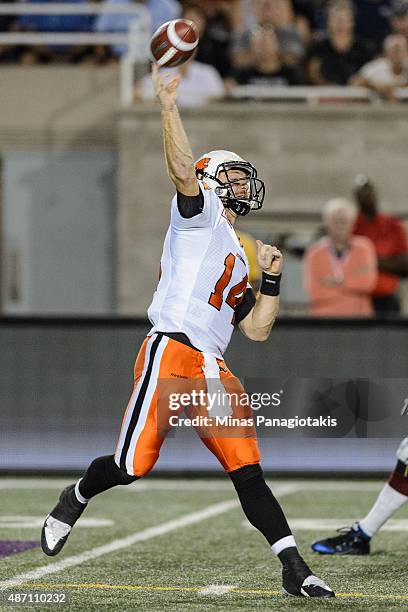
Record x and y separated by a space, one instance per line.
174 42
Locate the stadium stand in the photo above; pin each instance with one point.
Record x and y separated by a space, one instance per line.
261 48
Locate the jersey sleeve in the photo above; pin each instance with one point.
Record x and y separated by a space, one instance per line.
190 206
245 307
206 218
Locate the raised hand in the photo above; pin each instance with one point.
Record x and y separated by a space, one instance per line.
165 87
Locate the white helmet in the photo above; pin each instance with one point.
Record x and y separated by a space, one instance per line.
208 168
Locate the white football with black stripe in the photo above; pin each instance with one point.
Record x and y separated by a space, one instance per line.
174 42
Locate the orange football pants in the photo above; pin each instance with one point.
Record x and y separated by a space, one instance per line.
165 365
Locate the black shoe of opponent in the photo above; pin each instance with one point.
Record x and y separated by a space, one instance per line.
59 522
351 541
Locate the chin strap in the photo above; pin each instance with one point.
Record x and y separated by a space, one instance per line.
239 207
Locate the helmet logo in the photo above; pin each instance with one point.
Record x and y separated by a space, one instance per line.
202 164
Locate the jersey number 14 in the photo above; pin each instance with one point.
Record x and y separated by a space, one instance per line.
235 294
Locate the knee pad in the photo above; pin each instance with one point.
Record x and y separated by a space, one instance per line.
247 476
402 451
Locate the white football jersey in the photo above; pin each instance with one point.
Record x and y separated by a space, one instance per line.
204 275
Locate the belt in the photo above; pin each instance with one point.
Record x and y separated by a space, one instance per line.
179 337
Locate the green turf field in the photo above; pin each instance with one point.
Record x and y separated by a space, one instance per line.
184 544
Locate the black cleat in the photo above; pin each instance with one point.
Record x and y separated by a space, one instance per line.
299 581
59 522
351 541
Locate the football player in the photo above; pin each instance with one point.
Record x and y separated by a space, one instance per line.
355 540
202 292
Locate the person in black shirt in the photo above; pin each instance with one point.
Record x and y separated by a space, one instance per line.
266 67
338 56
215 35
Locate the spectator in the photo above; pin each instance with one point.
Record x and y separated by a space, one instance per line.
247 14
372 23
336 58
340 269
7 21
160 11
306 10
52 23
265 67
399 17
200 84
390 243
196 13
386 73
8 54
55 23
292 33
215 42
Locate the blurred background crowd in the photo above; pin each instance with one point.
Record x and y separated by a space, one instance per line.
258 42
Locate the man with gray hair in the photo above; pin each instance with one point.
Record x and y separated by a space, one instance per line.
340 269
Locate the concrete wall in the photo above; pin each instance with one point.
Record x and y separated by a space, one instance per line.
57 107
59 220
60 121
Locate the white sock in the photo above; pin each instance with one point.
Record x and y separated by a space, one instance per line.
78 495
286 542
388 502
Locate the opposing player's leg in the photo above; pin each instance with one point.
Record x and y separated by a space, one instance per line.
355 540
240 458
136 453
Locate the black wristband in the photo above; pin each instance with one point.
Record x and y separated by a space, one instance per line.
270 284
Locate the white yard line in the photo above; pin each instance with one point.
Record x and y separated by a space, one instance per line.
36 522
34 483
138 487
323 524
333 523
190 485
140 536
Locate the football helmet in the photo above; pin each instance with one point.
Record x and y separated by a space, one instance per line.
208 169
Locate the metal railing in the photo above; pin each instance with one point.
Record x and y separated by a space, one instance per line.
312 95
137 38
62 8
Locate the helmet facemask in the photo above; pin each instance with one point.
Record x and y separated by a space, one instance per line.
225 189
